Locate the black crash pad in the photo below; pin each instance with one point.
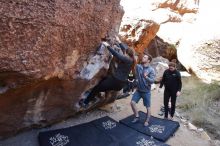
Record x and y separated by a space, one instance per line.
100 132
113 128
139 139
80 135
160 129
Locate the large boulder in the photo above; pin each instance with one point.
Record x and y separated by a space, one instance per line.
175 17
47 51
138 28
199 49
159 64
194 36
186 25
138 33
166 19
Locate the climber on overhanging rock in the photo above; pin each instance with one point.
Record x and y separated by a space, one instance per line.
117 79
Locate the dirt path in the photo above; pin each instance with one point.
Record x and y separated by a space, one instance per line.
118 110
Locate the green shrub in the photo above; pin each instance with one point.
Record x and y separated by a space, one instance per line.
197 103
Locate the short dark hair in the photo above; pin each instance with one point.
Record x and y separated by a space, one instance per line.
172 64
149 56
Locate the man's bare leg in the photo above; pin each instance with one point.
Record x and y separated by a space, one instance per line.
135 111
146 123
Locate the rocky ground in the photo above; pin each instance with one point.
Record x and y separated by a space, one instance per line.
117 110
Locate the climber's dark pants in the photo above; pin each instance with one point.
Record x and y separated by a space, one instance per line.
109 83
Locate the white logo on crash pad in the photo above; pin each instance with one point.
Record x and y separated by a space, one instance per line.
157 128
109 124
59 140
145 142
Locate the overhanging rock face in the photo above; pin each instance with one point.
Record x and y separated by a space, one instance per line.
46 46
